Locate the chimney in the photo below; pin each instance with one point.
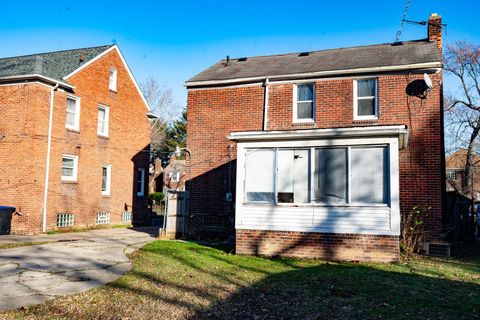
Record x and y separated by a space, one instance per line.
435 30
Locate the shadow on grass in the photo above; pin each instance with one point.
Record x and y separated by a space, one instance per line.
343 291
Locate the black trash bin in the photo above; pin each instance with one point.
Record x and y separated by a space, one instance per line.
6 219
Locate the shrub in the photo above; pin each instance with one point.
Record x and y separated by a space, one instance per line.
413 231
156 197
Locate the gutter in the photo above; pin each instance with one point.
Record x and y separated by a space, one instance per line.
425 65
40 77
47 166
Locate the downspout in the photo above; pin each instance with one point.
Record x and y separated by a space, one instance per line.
265 106
47 166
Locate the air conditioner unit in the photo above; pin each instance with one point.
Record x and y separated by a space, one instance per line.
437 249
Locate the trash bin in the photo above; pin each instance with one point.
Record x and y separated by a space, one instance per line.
6 219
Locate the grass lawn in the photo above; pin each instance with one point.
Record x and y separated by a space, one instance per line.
179 280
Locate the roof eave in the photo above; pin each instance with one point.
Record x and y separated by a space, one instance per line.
400 131
206 83
39 77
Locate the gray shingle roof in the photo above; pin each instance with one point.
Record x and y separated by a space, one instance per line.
55 65
380 55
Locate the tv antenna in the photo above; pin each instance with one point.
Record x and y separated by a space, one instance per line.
399 32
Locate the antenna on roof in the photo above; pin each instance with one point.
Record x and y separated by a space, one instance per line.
399 32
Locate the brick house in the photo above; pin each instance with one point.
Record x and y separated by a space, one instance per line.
455 172
315 154
75 140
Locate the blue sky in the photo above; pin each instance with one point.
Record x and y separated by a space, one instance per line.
174 40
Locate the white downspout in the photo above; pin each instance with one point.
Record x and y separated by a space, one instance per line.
265 106
47 166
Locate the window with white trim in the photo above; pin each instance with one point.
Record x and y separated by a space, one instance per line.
69 167
451 174
106 179
349 175
365 98
102 127
304 106
140 182
175 176
73 113
112 79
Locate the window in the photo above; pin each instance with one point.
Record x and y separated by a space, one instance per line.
175 176
365 99
102 129
106 178
140 182
69 167
103 218
112 80
304 97
328 175
65 220
126 217
73 113
451 174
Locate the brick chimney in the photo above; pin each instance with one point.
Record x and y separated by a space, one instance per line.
435 30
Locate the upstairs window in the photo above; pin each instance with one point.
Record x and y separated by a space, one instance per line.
140 182
102 128
112 80
365 99
106 178
73 113
304 97
69 167
175 176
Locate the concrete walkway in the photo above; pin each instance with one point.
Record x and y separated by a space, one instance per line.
70 264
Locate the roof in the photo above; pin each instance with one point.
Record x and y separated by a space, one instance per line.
458 159
342 59
55 65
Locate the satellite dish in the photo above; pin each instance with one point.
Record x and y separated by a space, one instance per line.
428 81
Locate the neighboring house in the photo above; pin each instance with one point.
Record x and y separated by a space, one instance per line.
455 172
76 140
175 175
320 151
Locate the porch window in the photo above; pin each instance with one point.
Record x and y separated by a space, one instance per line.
345 175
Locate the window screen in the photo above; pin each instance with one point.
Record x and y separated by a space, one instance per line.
259 175
330 175
293 182
369 171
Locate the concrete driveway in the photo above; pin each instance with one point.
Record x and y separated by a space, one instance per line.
70 264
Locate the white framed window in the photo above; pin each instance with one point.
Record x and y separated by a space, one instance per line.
175 176
112 80
69 167
451 174
304 102
106 179
345 175
103 116
365 98
73 113
140 182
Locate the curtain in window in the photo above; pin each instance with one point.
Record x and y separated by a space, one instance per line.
305 101
260 175
330 175
369 171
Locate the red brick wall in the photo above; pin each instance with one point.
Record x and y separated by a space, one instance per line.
214 113
126 149
330 246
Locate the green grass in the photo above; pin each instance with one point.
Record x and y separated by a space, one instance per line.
181 280
97 227
22 244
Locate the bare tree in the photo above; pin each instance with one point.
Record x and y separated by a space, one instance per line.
462 108
163 105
